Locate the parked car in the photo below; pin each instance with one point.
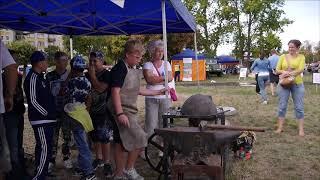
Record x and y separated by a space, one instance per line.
213 67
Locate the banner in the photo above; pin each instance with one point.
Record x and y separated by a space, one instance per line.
243 72
316 78
187 69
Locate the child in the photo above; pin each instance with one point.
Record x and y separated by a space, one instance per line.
57 80
41 111
101 117
78 89
125 88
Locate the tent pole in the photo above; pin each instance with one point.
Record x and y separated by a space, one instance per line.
71 47
164 32
196 55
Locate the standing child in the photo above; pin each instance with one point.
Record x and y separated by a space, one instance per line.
41 111
125 88
102 134
78 89
57 80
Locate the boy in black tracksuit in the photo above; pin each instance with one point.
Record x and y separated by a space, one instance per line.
41 112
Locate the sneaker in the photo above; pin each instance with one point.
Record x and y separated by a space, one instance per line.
132 174
89 177
107 170
264 102
68 164
78 172
97 163
50 167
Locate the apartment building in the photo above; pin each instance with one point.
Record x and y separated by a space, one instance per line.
39 40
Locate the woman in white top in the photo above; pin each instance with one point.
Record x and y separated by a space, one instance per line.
154 74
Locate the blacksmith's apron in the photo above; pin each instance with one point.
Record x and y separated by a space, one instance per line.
132 137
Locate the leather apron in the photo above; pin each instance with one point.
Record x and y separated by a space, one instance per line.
132 137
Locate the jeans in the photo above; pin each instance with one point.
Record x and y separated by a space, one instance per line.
155 108
262 81
85 156
297 93
14 124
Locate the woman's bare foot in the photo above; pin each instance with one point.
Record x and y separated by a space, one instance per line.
278 131
301 133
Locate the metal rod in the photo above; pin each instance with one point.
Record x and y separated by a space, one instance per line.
164 32
196 55
71 47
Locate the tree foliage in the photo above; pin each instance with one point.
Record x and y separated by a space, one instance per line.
24 51
51 50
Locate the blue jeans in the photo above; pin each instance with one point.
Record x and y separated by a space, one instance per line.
262 81
14 124
85 156
297 93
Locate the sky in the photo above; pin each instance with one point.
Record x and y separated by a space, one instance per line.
306 25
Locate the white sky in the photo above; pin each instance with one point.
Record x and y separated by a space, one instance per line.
306 25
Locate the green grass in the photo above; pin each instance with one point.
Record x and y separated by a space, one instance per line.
284 156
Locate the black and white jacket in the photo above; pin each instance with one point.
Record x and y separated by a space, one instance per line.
41 104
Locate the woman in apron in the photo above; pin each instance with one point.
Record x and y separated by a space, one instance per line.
125 88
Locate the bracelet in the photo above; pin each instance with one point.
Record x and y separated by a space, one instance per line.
119 114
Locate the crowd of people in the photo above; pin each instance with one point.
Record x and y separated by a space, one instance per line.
273 70
92 109
101 106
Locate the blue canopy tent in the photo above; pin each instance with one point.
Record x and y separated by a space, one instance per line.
187 53
227 59
98 17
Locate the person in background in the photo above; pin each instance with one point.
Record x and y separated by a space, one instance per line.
295 68
154 74
14 123
176 72
57 80
8 67
41 111
102 134
125 88
255 70
274 78
262 66
77 104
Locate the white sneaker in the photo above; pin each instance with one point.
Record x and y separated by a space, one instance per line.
264 102
132 174
68 164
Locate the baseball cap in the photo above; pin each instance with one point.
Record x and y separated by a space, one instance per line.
38 56
97 54
78 62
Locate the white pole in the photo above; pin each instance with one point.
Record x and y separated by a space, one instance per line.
164 34
71 47
196 54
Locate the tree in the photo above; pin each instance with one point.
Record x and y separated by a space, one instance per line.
24 51
213 19
51 50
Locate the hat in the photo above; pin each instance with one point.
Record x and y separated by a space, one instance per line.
97 54
38 56
78 62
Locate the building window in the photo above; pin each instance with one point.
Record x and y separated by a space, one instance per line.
7 38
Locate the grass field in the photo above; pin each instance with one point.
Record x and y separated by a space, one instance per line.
275 156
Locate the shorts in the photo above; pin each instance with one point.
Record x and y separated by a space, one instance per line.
273 78
103 129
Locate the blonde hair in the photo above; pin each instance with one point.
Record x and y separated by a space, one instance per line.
134 45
